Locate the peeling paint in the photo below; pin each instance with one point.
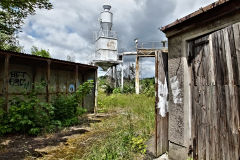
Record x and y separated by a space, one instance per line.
175 90
162 94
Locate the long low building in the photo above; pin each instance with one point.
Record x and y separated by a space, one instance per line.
18 72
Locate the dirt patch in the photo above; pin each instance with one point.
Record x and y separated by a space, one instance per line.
19 146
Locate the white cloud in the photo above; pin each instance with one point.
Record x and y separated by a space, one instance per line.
68 27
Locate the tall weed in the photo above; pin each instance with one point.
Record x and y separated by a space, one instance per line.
129 130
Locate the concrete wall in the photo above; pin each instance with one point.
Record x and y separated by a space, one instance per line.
179 99
21 77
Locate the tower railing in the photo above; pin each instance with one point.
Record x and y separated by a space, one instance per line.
109 34
152 45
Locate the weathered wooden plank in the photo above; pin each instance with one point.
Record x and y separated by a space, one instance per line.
208 119
200 141
207 150
214 129
200 68
220 122
212 105
161 102
235 70
222 59
211 60
218 96
228 121
235 108
160 135
236 33
217 61
194 122
227 52
165 141
203 141
208 98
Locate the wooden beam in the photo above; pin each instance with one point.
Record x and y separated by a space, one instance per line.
76 78
48 80
5 82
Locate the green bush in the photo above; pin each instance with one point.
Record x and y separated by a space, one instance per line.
150 92
26 115
117 90
128 89
67 108
32 116
148 87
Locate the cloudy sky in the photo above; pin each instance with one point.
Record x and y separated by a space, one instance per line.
68 27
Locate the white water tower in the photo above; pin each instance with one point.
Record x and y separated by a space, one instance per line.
106 44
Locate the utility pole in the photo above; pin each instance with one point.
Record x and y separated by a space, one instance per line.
137 69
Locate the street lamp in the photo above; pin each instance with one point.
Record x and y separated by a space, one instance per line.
136 41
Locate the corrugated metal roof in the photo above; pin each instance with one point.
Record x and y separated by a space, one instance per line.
198 12
34 57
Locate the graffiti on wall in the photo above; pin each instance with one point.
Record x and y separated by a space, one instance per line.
19 79
72 87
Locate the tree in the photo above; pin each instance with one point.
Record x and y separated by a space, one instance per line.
7 46
12 14
42 52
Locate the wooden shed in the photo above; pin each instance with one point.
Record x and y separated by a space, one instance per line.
18 71
204 79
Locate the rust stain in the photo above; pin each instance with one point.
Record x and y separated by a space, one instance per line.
111 44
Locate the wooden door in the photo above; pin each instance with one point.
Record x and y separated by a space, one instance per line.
161 103
214 61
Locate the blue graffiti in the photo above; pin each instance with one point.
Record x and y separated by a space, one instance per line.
71 88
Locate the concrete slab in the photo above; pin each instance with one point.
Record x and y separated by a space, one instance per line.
162 157
151 150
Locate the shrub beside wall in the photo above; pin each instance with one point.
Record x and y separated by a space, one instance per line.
29 115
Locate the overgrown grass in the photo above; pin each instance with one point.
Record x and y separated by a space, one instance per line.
119 137
131 128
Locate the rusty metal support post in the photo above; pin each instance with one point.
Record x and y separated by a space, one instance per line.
48 81
96 91
137 75
5 82
76 78
156 99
